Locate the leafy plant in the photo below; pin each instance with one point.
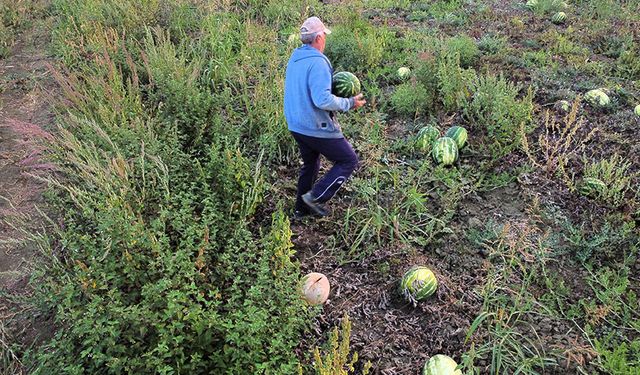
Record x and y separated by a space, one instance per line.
628 64
495 106
491 44
412 99
464 46
614 172
335 361
454 82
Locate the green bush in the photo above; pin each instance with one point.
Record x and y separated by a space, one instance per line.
628 64
465 47
491 44
5 41
358 47
453 81
615 174
412 99
619 358
496 107
159 266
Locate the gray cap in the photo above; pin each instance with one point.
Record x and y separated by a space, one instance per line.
313 25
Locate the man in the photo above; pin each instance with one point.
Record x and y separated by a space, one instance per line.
309 109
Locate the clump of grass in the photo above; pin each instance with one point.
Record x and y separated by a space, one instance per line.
510 344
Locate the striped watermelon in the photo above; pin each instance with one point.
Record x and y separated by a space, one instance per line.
425 138
418 283
445 151
597 98
531 4
458 134
559 18
592 187
345 85
441 364
636 110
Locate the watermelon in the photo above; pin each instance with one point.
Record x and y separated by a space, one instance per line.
559 18
425 138
597 98
418 283
636 110
458 134
315 288
345 85
403 73
531 4
445 151
441 364
592 187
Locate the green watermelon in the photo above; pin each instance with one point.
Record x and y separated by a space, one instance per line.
345 85
559 18
531 4
441 364
403 73
458 134
445 151
636 110
425 138
418 283
597 98
592 187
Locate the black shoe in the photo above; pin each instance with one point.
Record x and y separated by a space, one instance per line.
300 214
316 207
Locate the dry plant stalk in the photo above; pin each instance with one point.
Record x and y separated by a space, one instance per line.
558 143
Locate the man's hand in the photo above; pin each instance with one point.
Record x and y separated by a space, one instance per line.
358 101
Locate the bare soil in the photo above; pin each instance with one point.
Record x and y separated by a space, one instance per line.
25 113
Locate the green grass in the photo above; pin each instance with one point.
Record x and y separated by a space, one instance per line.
172 252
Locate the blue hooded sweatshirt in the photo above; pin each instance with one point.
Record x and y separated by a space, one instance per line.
308 101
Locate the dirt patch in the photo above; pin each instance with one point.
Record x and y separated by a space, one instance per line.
25 111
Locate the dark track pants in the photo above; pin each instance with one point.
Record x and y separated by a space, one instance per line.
338 151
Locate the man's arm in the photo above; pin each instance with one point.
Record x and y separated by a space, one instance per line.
320 86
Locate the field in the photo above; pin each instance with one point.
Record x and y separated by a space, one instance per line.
148 181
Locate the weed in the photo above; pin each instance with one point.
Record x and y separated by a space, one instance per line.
494 106
464 46
618 358
557 143
614 173
388 209
335 361
491 44
412 99
628 64
453 81
511 344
